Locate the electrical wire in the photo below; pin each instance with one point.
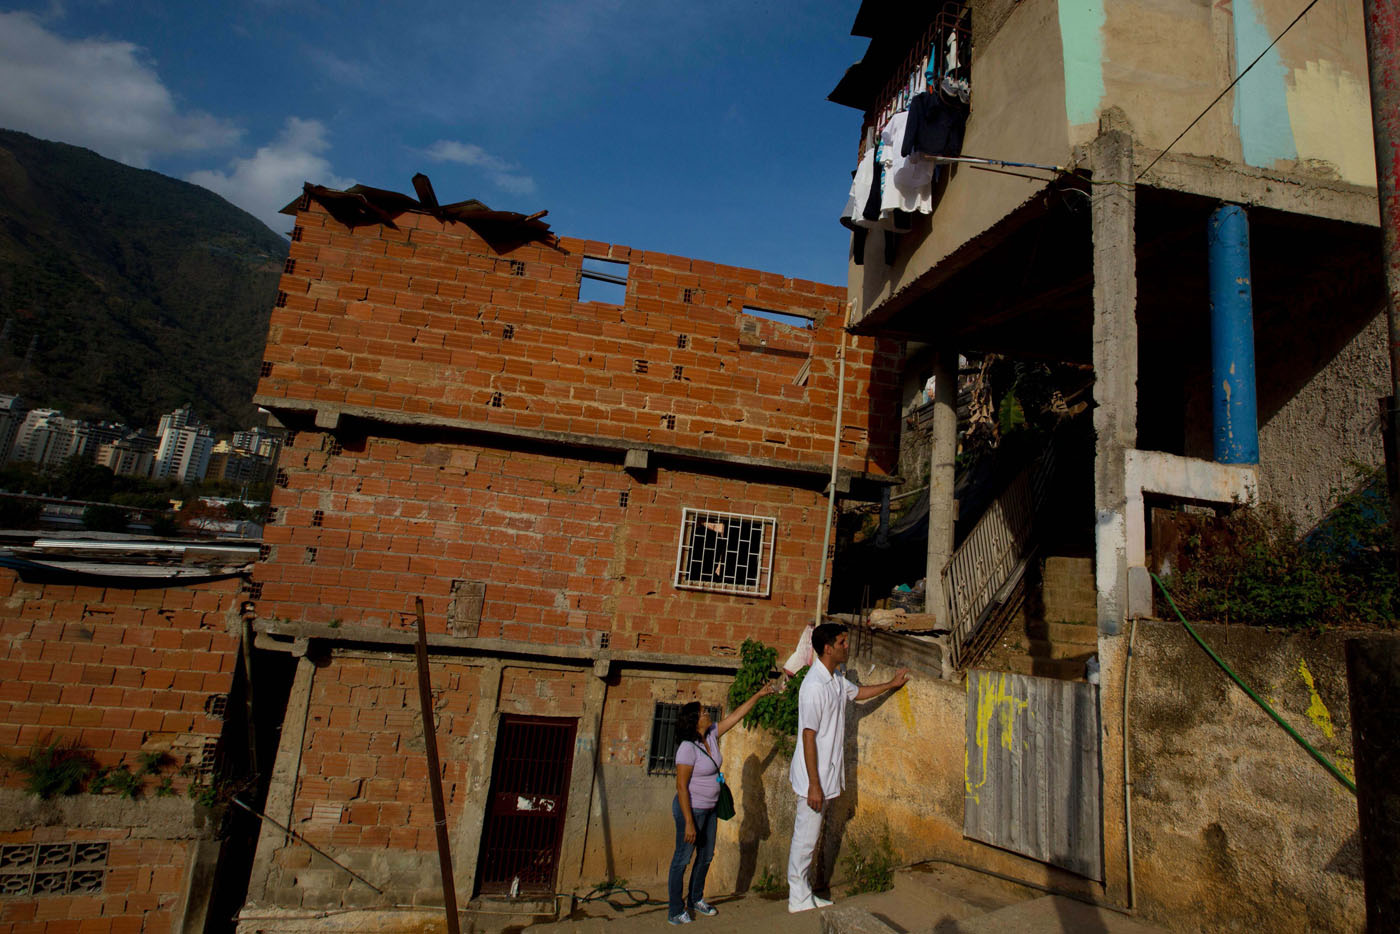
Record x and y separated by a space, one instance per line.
1227 90
1322 760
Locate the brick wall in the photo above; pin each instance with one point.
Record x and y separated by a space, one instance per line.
141 886
117 671
423 320
563 559
362 795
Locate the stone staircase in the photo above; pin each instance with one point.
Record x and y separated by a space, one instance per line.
1054 638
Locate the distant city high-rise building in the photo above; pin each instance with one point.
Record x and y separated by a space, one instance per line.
185 446
131 456
12 412
45 437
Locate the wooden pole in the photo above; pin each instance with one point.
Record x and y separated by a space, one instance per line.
425 698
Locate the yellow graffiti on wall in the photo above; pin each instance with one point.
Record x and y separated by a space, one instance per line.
993 701
906 712
1317 711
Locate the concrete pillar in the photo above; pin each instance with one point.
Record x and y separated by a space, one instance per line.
574 845
1233 392
1373 681
466 841
942 511
282 785
1115 364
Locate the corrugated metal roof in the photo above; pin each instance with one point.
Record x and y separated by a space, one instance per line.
361 204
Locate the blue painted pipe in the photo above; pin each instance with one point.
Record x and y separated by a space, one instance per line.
1232 338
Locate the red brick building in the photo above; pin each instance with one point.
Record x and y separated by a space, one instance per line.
598 501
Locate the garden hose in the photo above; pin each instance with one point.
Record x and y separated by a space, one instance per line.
1312 751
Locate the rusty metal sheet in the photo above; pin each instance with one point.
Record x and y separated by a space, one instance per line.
1033 775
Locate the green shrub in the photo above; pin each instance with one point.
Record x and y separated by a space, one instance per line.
776 712
1252 566
870 868
119 780
55 768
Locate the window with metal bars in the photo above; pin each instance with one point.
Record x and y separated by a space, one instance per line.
661 760
725 552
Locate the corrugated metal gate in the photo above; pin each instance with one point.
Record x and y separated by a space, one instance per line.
1033 775
525 812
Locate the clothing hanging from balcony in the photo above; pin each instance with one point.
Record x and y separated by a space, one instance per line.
935 125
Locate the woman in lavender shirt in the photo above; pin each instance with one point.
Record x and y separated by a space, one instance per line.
698 761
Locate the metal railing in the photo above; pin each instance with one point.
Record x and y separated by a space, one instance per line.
990 562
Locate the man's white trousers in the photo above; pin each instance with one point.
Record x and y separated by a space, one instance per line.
806 829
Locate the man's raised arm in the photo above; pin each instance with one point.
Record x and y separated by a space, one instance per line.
867 691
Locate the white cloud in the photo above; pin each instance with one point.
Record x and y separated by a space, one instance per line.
504 175
99 93
265 181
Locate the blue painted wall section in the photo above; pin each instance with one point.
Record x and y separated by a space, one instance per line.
1261 97
1081 37
1232 338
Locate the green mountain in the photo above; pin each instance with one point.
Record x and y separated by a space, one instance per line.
124 293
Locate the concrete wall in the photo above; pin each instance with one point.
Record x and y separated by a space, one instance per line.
1308 448
1234 825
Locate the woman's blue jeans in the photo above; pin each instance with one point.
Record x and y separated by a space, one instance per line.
703 849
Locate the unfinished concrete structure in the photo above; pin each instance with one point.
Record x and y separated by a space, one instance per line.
1106 256
598 502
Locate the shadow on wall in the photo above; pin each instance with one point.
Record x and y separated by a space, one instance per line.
755 827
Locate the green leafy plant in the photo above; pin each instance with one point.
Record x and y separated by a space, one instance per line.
870 868
1252 566
769 882
151 763
776 712
166 788
55 768
118 780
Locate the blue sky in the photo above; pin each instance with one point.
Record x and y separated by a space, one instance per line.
700 129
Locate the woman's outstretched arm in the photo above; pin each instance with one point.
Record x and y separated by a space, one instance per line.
742 711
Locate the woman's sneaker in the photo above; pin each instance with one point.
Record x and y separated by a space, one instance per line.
703 907
682 918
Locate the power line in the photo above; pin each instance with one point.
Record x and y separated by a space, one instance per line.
1227 90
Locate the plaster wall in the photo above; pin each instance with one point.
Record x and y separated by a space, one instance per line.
1234 824
1308 447
1305 108
905 776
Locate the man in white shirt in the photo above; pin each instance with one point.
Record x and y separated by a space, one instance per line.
818 771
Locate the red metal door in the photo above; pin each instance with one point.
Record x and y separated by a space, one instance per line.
525 812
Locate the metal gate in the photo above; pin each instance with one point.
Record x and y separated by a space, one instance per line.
525 812
1034 782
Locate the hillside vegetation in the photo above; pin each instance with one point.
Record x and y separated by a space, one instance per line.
130 293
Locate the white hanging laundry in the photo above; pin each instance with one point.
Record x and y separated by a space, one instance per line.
907 181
